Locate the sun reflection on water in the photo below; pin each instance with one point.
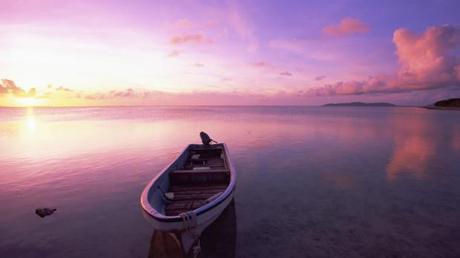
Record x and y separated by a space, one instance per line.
30 120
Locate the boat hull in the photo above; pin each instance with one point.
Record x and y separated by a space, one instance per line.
203 219
202 216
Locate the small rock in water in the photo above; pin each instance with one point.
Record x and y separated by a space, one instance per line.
43 212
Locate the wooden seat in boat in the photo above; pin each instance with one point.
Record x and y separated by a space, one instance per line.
190 197
200 162
199 177
202 178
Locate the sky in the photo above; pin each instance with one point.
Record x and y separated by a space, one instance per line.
65 53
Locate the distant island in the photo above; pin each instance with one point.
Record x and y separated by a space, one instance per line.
453 104
360 104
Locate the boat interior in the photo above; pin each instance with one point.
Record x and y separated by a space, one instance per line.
201 178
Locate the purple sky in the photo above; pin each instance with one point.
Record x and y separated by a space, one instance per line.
229 52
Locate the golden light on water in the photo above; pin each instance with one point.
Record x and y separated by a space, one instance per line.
30 121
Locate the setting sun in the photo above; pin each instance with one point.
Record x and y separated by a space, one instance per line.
27 101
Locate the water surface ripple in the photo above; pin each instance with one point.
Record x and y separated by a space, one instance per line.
313 181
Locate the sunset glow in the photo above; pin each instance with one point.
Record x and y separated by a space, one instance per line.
238 52
28 102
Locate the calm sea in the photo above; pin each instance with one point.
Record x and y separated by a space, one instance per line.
312 181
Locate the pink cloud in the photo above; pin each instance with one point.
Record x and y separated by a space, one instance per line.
427 61
370 85
347 26
320 78
262 64
8 87
114 94
339 92
184 24
174 53
190 38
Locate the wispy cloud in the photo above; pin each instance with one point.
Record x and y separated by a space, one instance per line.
190 39
60 88
198 65
184 24
320 78
262 64
347 26
293 45
174 53
240 24
314 49
286 73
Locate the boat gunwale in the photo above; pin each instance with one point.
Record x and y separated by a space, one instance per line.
157 215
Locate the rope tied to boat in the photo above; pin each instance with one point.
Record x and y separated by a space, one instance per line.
189 221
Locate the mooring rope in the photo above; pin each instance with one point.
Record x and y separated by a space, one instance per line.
189 221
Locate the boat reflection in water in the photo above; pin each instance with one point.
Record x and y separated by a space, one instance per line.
217 240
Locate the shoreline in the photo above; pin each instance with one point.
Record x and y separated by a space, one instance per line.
442 108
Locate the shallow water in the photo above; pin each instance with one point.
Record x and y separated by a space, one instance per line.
312 181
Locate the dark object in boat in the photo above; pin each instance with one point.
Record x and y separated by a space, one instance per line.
43 212
206 139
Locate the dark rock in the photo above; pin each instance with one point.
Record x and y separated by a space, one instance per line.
43 212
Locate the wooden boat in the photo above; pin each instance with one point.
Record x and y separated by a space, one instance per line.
190 193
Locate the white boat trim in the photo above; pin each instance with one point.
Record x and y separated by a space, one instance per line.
205 214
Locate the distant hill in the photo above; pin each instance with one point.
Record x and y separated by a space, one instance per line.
448 103
360 104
